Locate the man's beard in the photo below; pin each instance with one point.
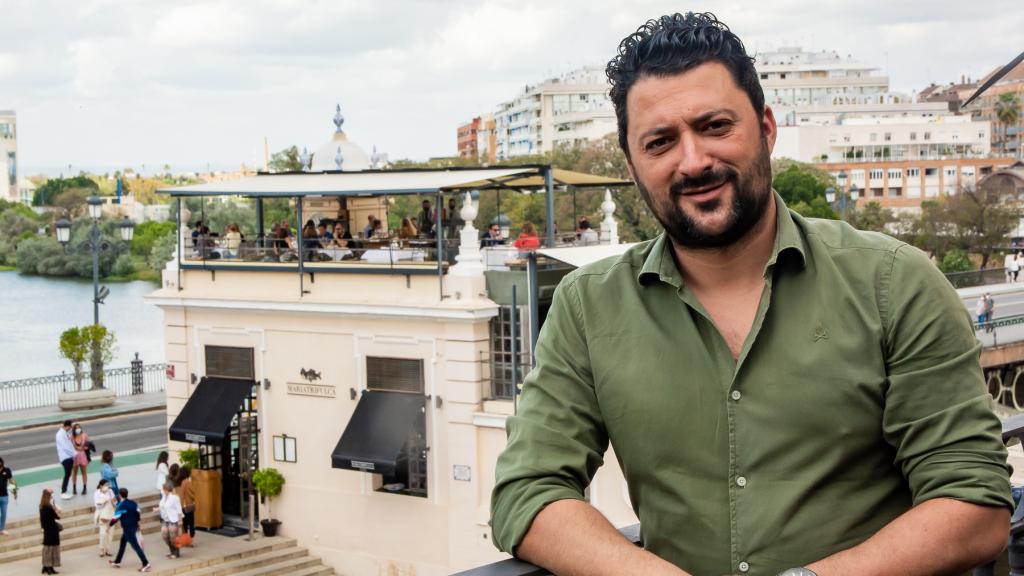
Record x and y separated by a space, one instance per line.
751 194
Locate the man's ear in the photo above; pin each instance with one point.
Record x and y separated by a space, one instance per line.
769 127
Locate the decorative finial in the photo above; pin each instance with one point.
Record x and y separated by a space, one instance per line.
338 118
338 159
374 159
304 159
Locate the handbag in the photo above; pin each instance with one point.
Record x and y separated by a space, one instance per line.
183 540
60 525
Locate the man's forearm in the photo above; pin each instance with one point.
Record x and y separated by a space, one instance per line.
570 538
941 536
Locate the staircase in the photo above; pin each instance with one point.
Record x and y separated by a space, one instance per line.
213 555
264 557
26 539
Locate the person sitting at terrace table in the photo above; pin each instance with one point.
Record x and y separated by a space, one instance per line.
492 237
232 240
378 230
528 239
368 229
310 240
341 232
408 229
426 220
324 234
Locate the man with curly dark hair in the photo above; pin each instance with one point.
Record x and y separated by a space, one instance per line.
783 394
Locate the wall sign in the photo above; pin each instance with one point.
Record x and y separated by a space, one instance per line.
318 390
462 473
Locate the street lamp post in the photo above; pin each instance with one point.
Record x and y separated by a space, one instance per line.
95 245
839 197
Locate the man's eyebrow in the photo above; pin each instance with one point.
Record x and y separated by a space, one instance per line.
695 121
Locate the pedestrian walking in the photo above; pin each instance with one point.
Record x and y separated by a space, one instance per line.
161 470
187 495
128 514
990 309
109 472
8 488
49 520
65 455
170 518
1014 261
80 462
1009 263
1018 261
104 500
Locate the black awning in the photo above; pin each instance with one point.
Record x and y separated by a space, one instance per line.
379 428
207 415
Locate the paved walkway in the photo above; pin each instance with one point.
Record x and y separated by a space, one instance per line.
47 415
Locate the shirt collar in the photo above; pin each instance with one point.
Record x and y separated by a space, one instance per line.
660 264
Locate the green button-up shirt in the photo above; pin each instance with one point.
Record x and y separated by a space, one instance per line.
857 394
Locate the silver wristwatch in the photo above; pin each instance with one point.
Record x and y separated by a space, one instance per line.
798 572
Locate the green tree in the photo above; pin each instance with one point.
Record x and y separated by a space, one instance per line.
268 482
803 189
955 260
101 342
872 217
979 221
1007 109
147 233
286 160
162 252
74 347
48 191
123 266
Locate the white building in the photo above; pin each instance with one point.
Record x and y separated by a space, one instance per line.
8 156
880 133
791 78
571 108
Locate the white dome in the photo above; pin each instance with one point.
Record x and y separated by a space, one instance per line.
353 158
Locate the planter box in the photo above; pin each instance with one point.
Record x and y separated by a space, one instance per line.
86 399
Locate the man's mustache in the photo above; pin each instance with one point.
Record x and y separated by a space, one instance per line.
709 179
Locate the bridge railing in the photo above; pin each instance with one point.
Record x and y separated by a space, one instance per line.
45 390
977 277
992 326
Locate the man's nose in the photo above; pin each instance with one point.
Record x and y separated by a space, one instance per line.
694 159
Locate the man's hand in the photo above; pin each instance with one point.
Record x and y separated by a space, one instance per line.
571 538
941 536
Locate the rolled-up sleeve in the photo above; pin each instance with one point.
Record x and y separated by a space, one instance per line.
938 415
557 440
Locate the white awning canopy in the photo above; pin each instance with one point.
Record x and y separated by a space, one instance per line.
389 182
577 256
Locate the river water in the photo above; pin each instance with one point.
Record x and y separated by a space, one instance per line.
34 310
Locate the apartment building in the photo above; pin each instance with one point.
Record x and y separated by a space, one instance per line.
9 156
792 77
569 109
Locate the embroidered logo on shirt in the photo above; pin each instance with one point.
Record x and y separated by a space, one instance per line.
820 333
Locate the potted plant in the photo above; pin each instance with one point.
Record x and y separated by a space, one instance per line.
268 483
189 457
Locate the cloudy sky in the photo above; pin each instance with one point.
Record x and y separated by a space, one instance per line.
114 83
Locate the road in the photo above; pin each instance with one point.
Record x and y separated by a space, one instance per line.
31 448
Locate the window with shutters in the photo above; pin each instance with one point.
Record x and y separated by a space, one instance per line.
394 374
230 362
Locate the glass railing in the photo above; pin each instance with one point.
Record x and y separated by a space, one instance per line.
316 253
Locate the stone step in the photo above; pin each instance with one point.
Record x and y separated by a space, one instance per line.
81 541
79 509
318 570
255 562
187 565
30 536
285 567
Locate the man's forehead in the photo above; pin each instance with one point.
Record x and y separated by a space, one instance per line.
688 95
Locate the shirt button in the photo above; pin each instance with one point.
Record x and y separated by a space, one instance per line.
736 395
741 481
744 567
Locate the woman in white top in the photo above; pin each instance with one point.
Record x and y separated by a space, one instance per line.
161 470
170 518
104 500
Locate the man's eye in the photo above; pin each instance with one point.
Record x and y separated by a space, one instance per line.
716 126
656 143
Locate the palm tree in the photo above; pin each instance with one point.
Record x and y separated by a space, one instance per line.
1007 108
